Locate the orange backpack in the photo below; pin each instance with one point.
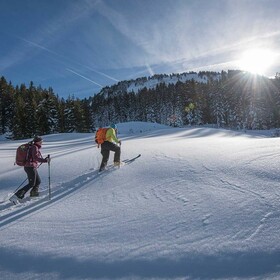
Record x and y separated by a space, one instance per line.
100 136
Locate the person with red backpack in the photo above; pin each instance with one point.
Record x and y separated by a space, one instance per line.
34 157
111 143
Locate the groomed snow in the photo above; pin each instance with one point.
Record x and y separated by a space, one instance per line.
200 203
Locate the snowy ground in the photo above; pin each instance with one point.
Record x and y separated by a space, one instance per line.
200 203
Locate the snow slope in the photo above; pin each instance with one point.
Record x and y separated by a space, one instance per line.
153 81
200 203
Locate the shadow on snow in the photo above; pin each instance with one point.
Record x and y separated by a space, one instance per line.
199 267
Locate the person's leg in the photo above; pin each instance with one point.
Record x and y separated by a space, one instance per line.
31 175
105 157
117 156
35 189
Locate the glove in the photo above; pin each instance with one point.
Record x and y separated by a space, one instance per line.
120 142
48 159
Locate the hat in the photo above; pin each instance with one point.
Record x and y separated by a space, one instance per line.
37 139
113 126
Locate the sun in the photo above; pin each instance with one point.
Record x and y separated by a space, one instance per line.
256 61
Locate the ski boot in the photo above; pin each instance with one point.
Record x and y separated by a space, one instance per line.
34 192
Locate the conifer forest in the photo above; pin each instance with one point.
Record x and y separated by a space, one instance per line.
230 99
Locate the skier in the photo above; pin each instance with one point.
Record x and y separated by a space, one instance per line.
34 158
112 143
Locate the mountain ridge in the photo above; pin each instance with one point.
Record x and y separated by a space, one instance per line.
136 85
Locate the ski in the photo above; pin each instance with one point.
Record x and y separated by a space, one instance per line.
124 162
14 199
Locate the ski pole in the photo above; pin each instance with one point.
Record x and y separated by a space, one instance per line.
20 186
49 168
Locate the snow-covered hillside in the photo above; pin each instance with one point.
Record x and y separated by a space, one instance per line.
153 81
200 203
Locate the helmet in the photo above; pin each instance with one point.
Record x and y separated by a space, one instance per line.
113 126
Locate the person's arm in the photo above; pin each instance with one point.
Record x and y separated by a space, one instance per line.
36 155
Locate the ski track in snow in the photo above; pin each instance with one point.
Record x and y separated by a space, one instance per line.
11 213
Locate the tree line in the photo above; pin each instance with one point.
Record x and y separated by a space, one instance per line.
236 100
28 111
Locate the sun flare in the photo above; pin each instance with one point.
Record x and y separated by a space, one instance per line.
256 61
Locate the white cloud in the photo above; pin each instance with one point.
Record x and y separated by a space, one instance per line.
82 76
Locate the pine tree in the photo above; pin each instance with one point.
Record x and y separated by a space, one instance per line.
19 118
6 107
69 113
46 114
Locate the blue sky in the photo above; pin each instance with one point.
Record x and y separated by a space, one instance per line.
79 46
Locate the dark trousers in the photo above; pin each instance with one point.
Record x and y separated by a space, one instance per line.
34 179
106 147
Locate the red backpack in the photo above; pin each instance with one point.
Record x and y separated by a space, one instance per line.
100 136
23 154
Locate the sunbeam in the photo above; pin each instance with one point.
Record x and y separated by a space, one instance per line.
256 61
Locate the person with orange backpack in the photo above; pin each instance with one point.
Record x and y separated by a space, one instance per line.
31 164
107 138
